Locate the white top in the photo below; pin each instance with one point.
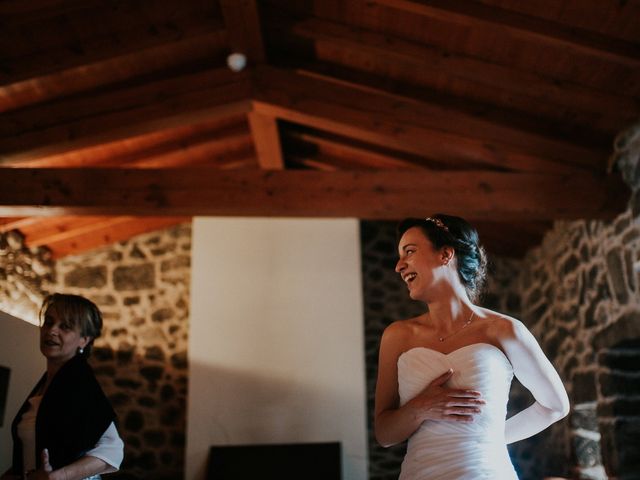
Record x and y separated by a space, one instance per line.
449 450
109 449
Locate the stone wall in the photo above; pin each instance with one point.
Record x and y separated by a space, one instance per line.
25 274
580 294
581 298
142 288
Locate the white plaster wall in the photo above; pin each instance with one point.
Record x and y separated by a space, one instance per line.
276 344
20 352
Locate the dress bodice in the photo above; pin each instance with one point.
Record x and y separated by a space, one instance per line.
442 449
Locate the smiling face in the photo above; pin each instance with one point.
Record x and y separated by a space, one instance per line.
60 338
419 263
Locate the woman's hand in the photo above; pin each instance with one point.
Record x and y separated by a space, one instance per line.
437 402
84 467
45 472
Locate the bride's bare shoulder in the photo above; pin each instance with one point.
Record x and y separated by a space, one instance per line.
401 331
500 326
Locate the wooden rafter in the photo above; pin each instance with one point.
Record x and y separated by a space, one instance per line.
496 111
474 14
36 44
433 61
368 157
65 235
266 138
184 145
103 232
375 195
90 119
93 74
414 126
245 36
243 24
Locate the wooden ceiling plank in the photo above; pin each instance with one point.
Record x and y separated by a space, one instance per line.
412 126
92 74
449 116
388 194
168 155
226 133
247 163
266 138
361 156
9 223
516 25
88 35
327 161
46 230
116 230
242 20
440 146
95 104
91 120
312 163
425 58
204 154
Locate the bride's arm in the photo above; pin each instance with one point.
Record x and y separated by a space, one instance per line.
394 423
537 374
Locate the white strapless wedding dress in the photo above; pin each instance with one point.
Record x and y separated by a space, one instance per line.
447 450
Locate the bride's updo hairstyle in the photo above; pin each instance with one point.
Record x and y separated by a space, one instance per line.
455 232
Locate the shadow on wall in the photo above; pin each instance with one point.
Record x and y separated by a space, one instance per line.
243 408
5 374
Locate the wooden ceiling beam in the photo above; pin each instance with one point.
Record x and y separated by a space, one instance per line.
44 230
242 20
65 235
312 163
95 73
413 126
377 47
169 155
511 24
363 157
95 118
17 223
95 32
388 194
266 139
228 131
107 232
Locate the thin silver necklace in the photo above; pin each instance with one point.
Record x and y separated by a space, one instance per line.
466 324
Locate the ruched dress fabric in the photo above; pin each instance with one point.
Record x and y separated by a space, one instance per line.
449 450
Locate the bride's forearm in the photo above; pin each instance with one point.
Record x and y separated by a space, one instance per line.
530 421
395 426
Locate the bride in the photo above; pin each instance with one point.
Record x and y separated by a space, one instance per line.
444 376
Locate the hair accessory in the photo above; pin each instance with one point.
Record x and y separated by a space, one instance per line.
438 223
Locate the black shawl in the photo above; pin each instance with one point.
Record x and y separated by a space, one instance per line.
73 415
